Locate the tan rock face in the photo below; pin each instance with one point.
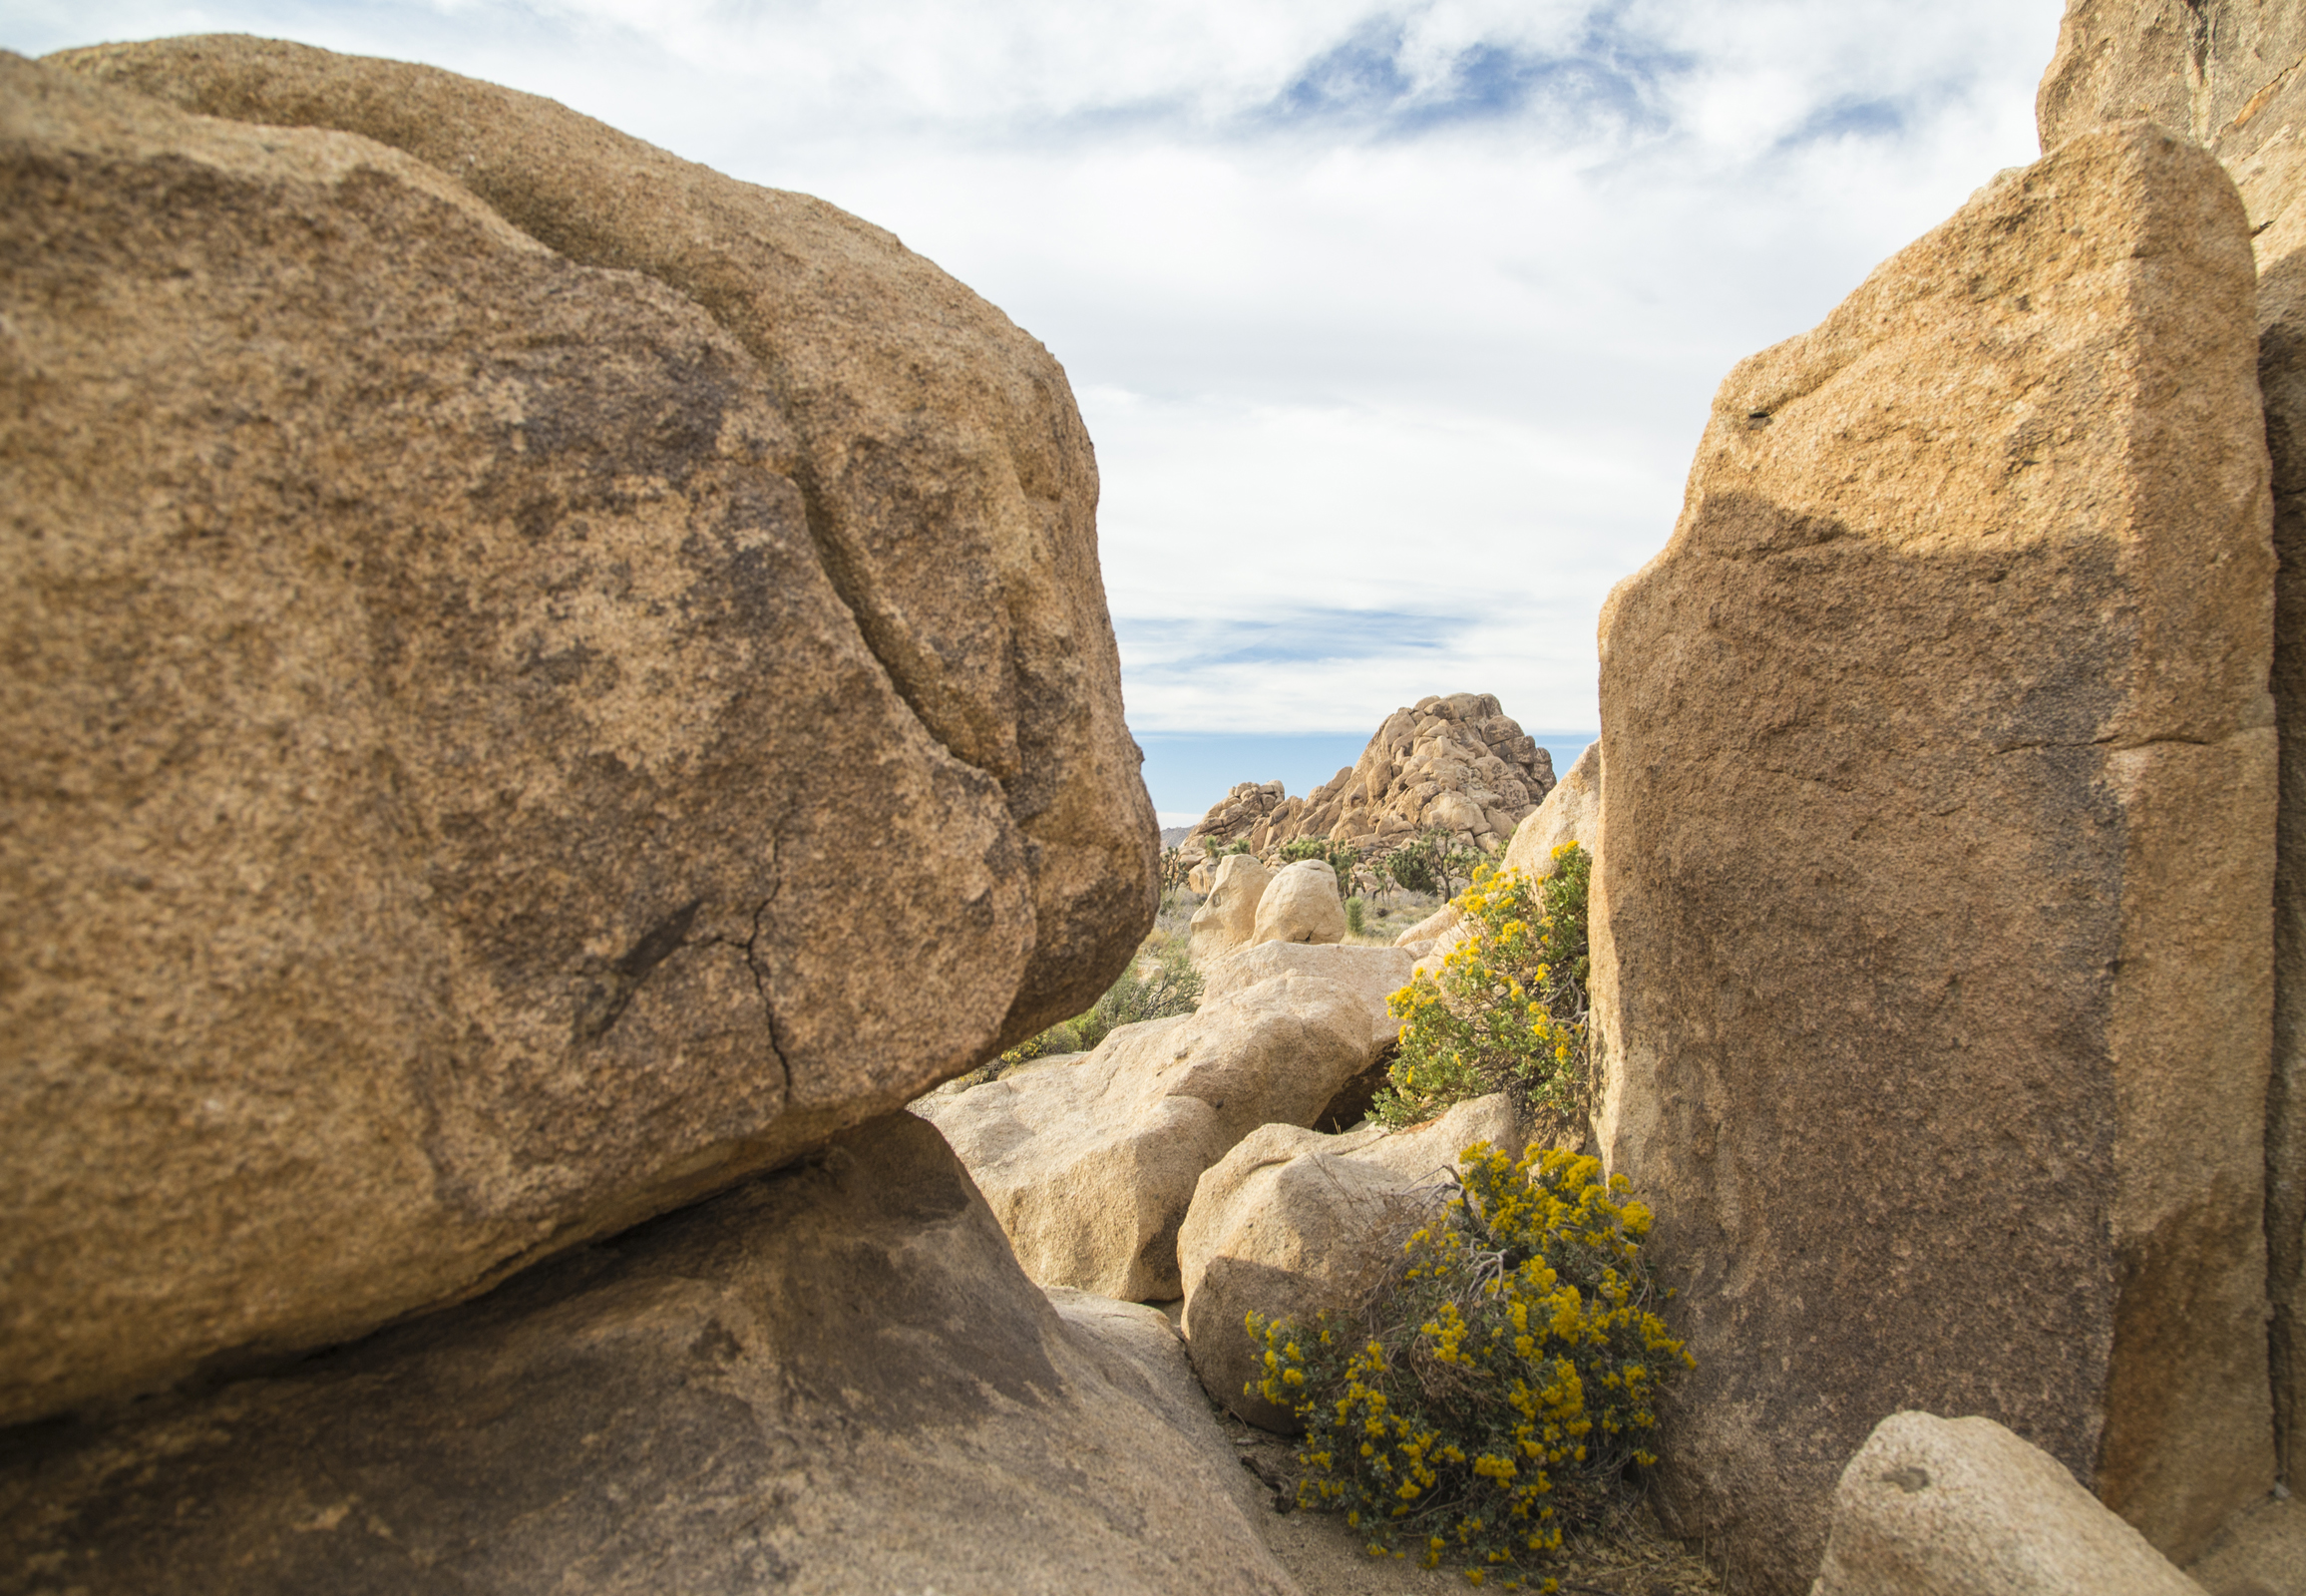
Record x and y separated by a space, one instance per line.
1939 767
813 1381
1292 1222
1371 974
2228 74
2205 71
1440 923
1301 904
1572 812
1228 919
460 797
1090 1166
1934 1506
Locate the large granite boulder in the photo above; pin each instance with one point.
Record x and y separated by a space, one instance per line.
1292 1222
539 680
1227 919
1443 923
2228 74
1301 905
1572 812
1932 955
1371 974
1089 1166
819 1381
1935 1506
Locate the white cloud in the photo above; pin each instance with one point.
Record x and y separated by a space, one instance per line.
1392 321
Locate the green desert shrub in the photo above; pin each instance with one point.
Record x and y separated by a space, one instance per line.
1355 911
1340 856
1158 982
1509 1012
1174 869
1430 863
1489 1396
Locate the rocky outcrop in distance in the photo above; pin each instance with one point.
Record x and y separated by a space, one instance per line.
1943 868
1459 764
511 637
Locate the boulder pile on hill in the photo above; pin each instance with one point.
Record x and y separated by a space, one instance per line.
1460 764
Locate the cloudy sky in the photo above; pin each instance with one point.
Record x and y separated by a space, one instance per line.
1394 323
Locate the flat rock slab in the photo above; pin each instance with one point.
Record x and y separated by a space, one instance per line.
1371 974
1932 933
466 789
830 1379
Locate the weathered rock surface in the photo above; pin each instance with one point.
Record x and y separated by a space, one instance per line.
1940 763
1291 1222
1422 937
2257 1553
1236 817
1090 1167
1572 812
2228 76
1371 974
2205 71
1301 904
371 926
1935 1506
817 1381
1228 918
1459 763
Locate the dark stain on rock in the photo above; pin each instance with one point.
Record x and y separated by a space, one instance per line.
609 991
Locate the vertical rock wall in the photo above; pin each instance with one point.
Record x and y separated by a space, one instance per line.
1932 960
2231 73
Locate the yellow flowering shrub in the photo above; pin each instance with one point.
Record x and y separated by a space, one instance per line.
1508 1013
1491 1397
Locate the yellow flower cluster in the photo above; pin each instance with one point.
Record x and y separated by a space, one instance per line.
1507 1010
1508 1380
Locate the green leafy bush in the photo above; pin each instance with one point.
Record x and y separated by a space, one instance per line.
1355 912
1430 863
1490 1395
1340 856
1171 985
1509 1012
